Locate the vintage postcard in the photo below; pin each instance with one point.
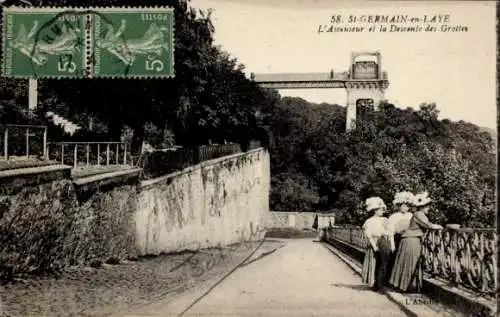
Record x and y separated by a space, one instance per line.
248 158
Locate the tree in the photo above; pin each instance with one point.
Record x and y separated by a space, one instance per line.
293 192
228 107
125 102
390 150
209 98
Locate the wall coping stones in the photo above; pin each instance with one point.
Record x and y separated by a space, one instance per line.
162 179
14 180
148 183
87 186
33 170
230 157
106 176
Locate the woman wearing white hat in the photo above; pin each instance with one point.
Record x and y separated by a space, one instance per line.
407 272
400 219
380 235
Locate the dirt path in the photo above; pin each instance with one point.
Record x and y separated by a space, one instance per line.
301 279
113 288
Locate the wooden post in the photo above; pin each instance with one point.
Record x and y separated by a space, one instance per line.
88 154
6 144
62 153
107 154
32 94
27 142
45 149
75 156
98 154
117 152
125 154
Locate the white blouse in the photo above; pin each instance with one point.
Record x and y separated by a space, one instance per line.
376 226
400 221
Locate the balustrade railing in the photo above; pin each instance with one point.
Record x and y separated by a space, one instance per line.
350 235
208 152
462 257
162 162
254 144
24 140
90 153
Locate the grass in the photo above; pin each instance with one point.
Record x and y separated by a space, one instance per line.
86 171
17 162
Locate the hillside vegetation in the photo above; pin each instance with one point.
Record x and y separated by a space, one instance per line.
317 166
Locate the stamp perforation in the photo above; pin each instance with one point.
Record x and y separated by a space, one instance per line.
48 9
88 51
4 46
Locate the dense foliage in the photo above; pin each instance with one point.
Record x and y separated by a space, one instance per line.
317 166
208 100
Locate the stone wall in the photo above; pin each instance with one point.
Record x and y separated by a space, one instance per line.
300 220
222 201
49 221
54 223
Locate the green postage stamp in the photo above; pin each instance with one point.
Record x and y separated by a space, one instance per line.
135 42
42 42
88 42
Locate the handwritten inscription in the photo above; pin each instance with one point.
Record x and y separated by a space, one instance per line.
199 267
248 236
168 208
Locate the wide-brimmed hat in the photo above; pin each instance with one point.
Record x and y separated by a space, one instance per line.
421 199
373 203
403 198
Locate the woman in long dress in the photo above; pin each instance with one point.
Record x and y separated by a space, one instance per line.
380 235
400 220
407 272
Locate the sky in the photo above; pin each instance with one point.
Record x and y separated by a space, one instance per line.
456 70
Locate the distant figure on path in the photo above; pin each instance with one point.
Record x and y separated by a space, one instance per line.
315 223
400 221
380 235
407 272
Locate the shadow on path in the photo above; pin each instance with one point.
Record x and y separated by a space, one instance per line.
355 287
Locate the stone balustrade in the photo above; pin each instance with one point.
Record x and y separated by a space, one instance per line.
462 257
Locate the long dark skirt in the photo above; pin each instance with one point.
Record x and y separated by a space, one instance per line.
392 257
407 272
375 265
